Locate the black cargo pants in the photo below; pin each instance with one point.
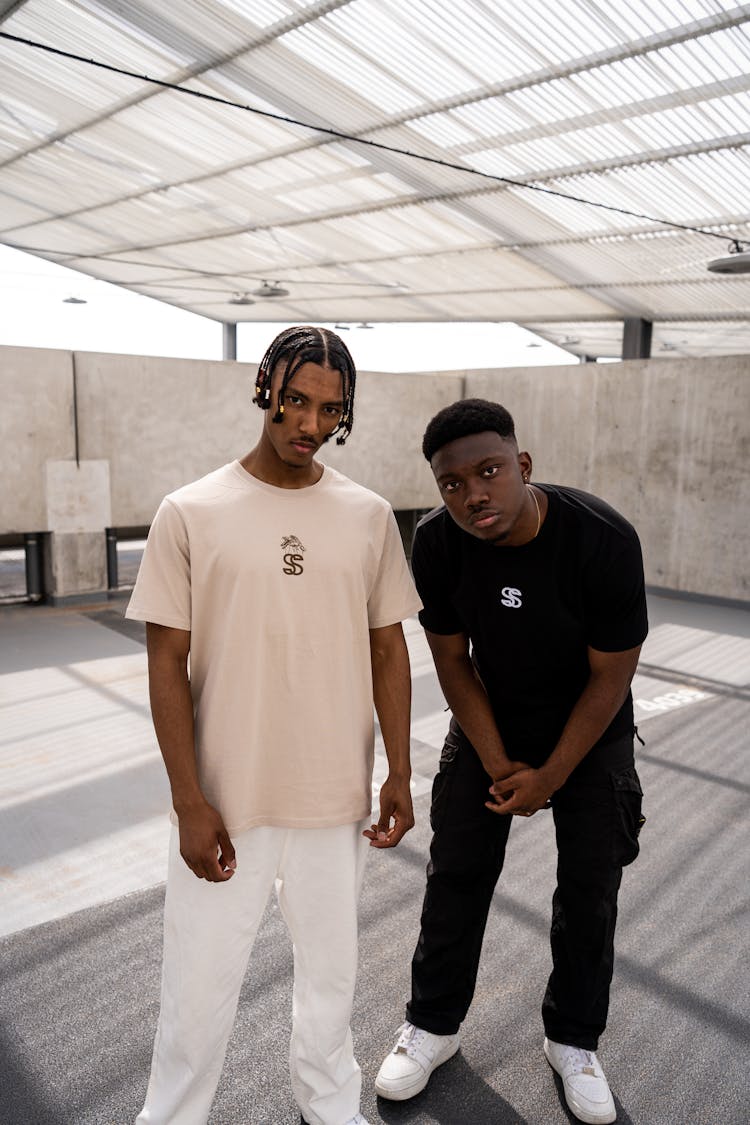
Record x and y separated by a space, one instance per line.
597 816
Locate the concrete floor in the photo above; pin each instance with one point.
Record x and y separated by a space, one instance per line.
82 860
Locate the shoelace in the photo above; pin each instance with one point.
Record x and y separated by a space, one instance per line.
412 1042
580 1060
408 1038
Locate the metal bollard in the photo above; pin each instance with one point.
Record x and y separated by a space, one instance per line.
112 575
33 552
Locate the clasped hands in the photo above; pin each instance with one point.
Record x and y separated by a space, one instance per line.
521 791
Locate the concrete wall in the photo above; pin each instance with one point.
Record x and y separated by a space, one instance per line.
161 423
36 425
665 441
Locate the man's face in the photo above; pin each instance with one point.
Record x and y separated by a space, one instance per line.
313 403
480 478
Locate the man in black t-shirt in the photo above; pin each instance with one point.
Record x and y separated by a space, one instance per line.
535 612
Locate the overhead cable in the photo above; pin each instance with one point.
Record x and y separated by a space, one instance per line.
350 138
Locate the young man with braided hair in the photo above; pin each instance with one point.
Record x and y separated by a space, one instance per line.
285 584
535 612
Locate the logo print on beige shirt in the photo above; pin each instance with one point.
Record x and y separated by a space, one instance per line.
293 557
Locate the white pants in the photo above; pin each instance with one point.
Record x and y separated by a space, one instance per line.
209 930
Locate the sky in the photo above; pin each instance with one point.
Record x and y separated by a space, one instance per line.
36 313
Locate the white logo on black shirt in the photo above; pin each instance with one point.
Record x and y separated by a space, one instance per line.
511 597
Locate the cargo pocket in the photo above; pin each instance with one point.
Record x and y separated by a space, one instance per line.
629 817
442 783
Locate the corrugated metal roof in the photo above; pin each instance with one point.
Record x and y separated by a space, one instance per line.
642 106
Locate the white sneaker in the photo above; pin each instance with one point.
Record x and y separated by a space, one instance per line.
586 1089
407 1069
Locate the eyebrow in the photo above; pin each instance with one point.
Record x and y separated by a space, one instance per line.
338 403
493 457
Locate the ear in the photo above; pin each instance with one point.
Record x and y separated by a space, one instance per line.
525 464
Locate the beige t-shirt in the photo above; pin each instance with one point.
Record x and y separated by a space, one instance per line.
278 588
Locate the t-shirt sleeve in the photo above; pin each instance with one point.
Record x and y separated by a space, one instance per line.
616 614
162 590
393 596
432 577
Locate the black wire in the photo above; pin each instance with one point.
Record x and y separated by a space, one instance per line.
339 135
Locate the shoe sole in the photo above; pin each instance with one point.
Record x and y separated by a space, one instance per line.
578 1111
418 1086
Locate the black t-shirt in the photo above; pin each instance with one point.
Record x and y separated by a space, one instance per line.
532 611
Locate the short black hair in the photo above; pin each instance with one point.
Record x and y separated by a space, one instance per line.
307 344
469 416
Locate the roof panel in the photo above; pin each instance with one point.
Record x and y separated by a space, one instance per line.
190 200
107 36
667 301
193 31
671 339
274 77
225 132
55 98
403 44
263 13
17 212
95 175
325 51
717 57
443 129
481 39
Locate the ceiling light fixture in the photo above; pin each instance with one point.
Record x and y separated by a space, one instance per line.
268 290
736 261
365 324
74 301
240 299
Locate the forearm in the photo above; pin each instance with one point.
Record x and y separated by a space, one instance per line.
594 710
204 842
391 687
172 714
470 705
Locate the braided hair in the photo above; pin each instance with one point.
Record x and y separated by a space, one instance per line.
300 345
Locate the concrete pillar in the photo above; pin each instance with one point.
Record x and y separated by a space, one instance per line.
229 340
636 338
78 510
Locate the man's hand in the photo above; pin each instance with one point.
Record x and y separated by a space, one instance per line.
521 793
205 845
395 804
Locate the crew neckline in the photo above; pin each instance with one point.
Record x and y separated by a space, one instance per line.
275 489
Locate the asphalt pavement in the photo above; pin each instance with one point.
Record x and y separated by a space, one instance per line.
83 833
